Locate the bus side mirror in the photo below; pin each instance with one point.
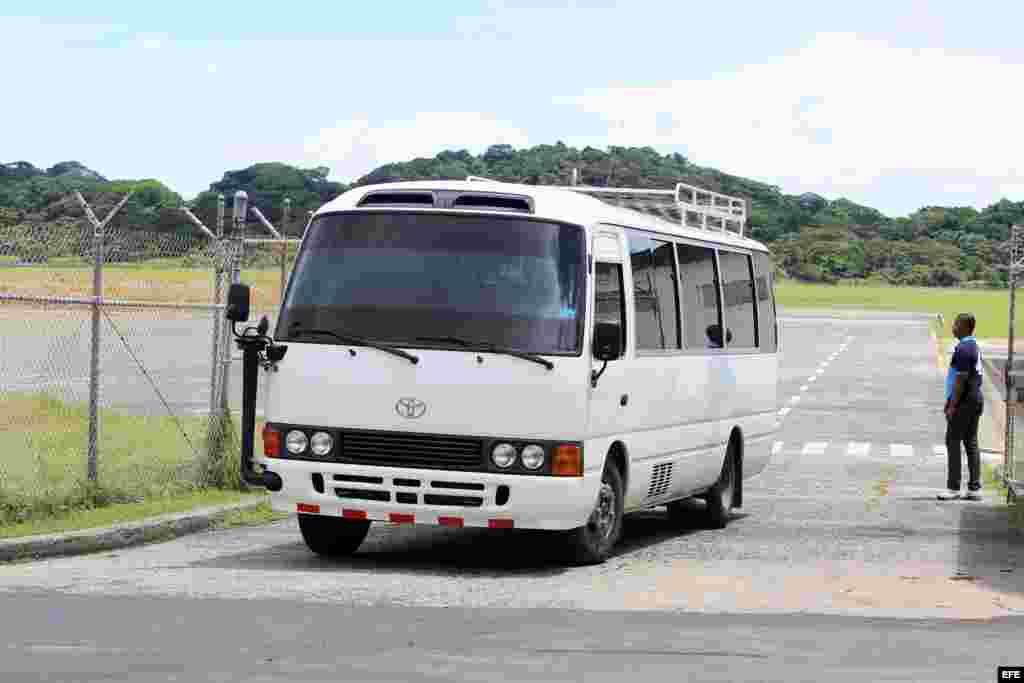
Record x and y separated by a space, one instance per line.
238 303
607 342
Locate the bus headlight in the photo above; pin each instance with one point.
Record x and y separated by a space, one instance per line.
532 457
296 442
321 444
503 455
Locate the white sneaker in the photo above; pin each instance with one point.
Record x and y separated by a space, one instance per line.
972 495
950 495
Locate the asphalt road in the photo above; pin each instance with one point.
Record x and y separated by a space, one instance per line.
141 639
840 566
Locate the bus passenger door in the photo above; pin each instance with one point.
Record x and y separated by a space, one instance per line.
610 405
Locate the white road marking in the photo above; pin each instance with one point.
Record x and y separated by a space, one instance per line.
939 449
858 449
804 388
795 399
812 378
785 411
814 448
819 371
776 448
901 450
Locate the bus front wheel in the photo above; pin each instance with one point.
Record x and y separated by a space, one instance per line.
332 537
593 542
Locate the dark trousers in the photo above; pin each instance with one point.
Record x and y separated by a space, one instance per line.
963 428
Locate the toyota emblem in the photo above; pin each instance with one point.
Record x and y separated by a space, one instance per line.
410 408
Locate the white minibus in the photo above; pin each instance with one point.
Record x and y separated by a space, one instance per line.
485 354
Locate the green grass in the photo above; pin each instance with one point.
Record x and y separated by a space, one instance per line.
135 512
990 307
43 473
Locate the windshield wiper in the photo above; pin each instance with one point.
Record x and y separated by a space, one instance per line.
489 348
296 331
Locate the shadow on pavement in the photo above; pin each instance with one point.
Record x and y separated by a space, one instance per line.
437 551
990 550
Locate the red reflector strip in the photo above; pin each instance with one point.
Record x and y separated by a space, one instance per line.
501 523
306 507
450 521
402 518
353 514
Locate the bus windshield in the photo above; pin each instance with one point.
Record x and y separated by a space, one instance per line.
508 282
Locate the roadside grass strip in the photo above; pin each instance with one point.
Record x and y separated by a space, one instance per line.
990 307
142 460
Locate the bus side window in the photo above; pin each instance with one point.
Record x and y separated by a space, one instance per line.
739 305
609 299
701 306
765 304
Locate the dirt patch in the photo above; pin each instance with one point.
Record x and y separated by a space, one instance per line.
37 415
916 591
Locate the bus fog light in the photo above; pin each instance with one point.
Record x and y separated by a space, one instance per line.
296 442
321 444
533 457
503 455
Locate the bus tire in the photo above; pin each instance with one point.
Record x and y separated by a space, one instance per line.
722 496
593 542
332 537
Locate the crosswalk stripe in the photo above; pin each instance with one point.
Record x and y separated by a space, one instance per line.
939 450
776 448
858 449
815 448
901 450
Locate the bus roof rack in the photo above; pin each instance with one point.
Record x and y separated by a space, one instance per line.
688 205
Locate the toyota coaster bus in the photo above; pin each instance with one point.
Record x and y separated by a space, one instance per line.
483 354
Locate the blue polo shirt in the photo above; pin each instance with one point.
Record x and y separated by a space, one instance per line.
966 358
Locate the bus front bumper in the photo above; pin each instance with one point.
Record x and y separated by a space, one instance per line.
434 497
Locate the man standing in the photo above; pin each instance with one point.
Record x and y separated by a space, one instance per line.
964 404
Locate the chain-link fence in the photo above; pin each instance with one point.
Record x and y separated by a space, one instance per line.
1013 464
117 378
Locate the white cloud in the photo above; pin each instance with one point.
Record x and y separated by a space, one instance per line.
355 147
838 115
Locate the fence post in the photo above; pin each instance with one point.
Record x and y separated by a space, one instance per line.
94 346
237 248
218 284
1009 455
286 218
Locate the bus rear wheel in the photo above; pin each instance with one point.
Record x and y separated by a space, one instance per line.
721 496
332 537
593 542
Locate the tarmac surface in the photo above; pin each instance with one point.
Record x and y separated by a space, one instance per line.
841 565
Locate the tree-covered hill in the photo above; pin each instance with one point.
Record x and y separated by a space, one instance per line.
812 238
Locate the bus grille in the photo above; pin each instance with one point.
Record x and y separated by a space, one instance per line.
425 451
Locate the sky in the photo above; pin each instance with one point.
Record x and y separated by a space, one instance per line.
892 104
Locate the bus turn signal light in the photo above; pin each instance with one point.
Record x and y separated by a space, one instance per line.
271 442
568 461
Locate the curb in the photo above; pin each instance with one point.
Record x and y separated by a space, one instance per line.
162 528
